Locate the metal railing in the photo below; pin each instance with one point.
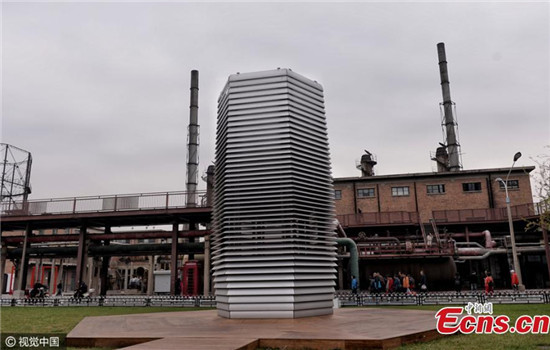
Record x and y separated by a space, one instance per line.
345 298
160 301
102 204
388 248
494 214
444 298
383 218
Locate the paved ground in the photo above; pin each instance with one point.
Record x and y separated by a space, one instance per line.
350 328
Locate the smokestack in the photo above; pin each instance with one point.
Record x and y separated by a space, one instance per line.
368 161
193 142
449 120
442 159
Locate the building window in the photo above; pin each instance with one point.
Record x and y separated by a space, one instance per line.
365 192
337 194
512 184
400 191
435 189
471 187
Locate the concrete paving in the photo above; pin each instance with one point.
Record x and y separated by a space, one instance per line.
349 328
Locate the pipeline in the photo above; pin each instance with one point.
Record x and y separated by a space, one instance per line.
109 250
353 255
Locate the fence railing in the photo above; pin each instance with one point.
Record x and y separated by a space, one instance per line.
493 214
344 299
383 218
108 203
444 298
161 301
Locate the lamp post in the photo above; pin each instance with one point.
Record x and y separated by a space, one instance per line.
517 268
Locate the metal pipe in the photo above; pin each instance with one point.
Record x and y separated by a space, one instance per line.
451 139
109 250
193 142
353 255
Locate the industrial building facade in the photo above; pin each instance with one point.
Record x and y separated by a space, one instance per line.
391 217
425 193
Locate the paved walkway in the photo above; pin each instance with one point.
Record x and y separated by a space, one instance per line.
350 328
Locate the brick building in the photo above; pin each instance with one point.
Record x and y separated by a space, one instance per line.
424 193
390 217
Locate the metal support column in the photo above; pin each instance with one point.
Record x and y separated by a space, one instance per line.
81 256
104 272
23 266
60 276
3 267
150 275
174 260
206 276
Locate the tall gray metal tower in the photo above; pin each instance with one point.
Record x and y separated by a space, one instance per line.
274 248
449 119
193 142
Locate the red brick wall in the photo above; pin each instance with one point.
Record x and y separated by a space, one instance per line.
454 197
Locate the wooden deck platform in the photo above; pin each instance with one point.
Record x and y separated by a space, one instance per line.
353 328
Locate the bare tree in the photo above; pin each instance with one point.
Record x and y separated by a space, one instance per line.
542 195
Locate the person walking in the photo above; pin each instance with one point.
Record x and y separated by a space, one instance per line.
59 291
473 281
406 284
354 285
515 279
489 283
423 282
458 282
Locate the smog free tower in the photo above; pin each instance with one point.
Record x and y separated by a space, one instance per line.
273 247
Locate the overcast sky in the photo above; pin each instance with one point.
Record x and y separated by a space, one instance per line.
99 92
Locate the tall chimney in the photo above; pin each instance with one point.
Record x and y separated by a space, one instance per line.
193 142
442 159
449 120
368 161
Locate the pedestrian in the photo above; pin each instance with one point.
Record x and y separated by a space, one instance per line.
458 282
515 279
406 284
59 291
473 281
389 284
354 285
489 283
423 282
429 240
397 284
412 282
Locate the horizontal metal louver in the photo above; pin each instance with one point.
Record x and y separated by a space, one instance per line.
273 247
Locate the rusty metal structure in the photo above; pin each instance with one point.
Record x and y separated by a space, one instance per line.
16 177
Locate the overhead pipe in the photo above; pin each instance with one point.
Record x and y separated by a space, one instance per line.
109 250
105 236
353 255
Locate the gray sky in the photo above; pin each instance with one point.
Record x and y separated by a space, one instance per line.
99 92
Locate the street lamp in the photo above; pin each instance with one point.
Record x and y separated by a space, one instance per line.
517 268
